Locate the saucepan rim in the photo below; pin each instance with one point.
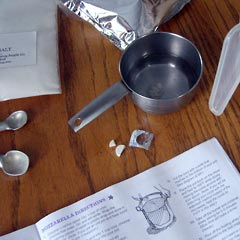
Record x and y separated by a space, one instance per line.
132 91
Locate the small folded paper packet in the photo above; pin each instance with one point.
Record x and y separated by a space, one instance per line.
28 49
122 21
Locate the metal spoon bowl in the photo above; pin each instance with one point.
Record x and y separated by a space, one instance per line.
14 163
14 121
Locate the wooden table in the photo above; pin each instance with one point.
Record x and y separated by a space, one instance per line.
66 166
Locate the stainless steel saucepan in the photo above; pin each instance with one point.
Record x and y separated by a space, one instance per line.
159 71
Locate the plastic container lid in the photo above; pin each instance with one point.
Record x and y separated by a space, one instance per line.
228 72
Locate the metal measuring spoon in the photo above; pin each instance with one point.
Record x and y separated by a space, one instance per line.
14 163
14 121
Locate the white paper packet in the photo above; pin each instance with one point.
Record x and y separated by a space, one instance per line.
28 49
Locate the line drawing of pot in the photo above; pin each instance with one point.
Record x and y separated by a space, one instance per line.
156 210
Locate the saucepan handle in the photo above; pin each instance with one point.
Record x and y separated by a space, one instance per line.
100 104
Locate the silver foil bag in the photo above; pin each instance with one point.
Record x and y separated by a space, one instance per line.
122 21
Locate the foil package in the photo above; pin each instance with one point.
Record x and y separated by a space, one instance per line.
123 21
141 139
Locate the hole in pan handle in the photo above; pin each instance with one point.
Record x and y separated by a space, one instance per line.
99 105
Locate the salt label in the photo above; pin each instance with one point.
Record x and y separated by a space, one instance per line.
18 49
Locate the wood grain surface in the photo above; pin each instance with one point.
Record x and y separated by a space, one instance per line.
66 166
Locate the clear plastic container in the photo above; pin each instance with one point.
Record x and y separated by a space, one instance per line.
228 73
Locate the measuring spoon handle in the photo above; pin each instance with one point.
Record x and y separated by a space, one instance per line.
100 104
